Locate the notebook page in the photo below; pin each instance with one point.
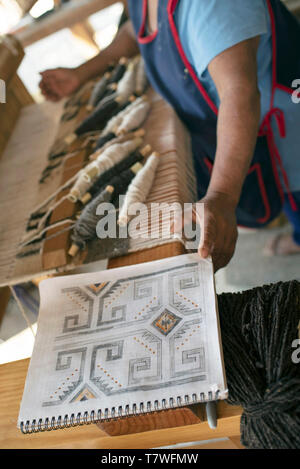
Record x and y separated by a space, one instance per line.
145 334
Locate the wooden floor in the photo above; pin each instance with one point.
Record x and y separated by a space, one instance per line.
12 379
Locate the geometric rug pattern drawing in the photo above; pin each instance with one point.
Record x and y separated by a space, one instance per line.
140 333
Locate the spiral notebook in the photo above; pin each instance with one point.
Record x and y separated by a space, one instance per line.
122 342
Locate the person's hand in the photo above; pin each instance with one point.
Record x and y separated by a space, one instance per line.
59 83
218 229
215 214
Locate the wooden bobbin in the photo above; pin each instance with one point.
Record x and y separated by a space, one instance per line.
123 60
110 189
70 138
85 198
113 86
119 99
145 151
139 133
132 98
136 167
74 249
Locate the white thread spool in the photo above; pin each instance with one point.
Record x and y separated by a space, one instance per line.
111 156
126 86
141 77
117 119
134 118
139 188
145 151
120 139
79 188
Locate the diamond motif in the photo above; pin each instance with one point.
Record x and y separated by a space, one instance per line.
166 322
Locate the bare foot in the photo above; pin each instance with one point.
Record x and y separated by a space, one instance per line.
281 245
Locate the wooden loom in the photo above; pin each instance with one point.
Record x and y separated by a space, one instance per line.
174 183
25 144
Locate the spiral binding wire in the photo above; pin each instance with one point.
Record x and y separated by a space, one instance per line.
114 413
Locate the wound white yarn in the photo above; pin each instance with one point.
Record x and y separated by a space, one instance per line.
117 120
110 157
126 86
119 139
134 118
80 187
106 160
139 188
141 77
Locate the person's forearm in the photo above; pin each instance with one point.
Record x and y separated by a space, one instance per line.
124 45
238 124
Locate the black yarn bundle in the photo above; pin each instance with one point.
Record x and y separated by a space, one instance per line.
258 329
99 117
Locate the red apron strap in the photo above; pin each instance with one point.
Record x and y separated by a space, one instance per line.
266 130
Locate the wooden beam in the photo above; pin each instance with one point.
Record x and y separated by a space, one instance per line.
65 17
85 33
4 299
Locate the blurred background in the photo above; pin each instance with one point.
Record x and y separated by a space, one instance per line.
67 47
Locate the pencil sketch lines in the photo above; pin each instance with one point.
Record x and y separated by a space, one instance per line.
184 288
82 318
69 369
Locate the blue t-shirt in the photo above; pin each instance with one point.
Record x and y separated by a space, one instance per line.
207 28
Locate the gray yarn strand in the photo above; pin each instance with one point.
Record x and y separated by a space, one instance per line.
85 227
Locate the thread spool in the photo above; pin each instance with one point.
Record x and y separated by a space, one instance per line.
141 78
135 118
79 188
122 181
119 70
120 139
110 157
116 120
139 188
98 91
130 160
113 155
111 138
97 119
84 229
103 140
134 157
106 109
126 86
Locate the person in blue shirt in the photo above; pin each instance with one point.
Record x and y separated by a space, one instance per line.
228 49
